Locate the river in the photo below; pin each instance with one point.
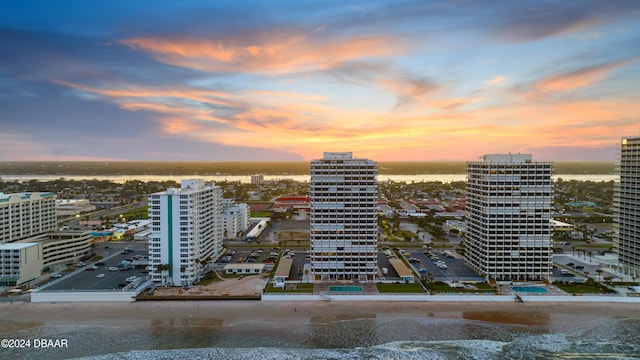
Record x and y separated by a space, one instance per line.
120 179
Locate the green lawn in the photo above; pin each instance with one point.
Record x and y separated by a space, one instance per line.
137 213
209 278
595 246
404 234
300 288
586 288
441 287
261 214
485 288
400 288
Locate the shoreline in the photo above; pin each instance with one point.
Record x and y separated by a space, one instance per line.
200 313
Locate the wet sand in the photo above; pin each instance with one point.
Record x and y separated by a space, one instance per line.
19 315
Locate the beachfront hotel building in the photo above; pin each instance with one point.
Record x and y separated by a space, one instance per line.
27 214
627 207
186 232
509 199
344 222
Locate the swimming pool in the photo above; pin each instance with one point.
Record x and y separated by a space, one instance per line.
345 288
529 289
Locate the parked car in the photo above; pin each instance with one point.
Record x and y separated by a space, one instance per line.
100 276
91 268
56 275
113 268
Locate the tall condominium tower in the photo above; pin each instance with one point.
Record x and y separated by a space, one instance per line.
627 204
186 232
509 200
344 222
24 215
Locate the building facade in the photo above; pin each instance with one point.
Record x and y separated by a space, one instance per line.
235 219
627 207
71 207
257 179
63 247
23 215
186 232
19 263
26 260
292 201
344 222
509 200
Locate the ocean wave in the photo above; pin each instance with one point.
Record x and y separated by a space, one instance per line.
361 338
536 347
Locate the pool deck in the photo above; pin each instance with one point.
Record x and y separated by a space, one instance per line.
367 289
530 289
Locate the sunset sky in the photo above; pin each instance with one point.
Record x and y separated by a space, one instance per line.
287 80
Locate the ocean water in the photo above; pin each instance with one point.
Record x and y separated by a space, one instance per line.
363 337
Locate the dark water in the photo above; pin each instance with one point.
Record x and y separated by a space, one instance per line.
362 337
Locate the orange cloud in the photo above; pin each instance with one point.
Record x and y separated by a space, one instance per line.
579 78
496 81
432 126
178 125
280 54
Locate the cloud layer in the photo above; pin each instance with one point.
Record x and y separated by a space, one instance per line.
389 81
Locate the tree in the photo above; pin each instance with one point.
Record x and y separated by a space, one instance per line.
163 268
599 271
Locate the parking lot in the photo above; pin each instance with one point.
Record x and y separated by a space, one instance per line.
456 267
82 279
578 269
266 255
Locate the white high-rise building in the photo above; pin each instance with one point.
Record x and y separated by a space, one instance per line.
186 232
24 215
627 207
235 220
257 179
344 221
509 201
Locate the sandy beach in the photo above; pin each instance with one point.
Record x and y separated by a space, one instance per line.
21 315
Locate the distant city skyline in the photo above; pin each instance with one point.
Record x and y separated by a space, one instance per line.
286 81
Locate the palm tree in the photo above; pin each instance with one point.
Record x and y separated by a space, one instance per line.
162 268
599 271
